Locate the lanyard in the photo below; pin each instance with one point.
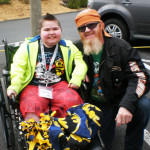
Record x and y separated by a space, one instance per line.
43 55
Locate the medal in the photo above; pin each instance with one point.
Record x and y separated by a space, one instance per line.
48 76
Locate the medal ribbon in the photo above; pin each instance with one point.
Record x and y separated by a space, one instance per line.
43 55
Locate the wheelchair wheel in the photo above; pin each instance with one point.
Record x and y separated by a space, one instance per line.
6 122
20 140
12 138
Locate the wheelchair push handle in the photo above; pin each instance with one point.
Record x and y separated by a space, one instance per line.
4 41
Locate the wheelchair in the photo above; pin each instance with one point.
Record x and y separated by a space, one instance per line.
9 112
11 116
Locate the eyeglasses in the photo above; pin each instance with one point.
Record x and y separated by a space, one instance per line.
90 26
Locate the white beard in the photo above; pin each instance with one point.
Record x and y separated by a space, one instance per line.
92 46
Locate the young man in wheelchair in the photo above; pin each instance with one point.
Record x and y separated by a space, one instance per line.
46 71
42 73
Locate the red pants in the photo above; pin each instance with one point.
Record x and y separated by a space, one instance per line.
63 99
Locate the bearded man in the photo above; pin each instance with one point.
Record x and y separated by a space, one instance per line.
118 81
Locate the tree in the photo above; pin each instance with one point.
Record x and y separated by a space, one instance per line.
35 16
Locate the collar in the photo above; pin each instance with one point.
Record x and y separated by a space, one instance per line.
108 42
61 42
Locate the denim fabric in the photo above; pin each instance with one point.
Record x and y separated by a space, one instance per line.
135 129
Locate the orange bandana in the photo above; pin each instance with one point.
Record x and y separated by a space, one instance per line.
86 16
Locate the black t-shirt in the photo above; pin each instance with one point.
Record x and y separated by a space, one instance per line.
57 73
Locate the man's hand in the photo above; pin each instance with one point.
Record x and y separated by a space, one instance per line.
10 92
71 85
123 117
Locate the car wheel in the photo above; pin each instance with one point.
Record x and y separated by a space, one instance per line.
116 28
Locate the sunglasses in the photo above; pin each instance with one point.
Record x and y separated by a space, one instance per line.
90 26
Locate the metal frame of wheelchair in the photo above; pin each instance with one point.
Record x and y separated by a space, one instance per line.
9 109
9 112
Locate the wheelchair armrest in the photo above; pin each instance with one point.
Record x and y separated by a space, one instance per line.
13 99
84 86
83 92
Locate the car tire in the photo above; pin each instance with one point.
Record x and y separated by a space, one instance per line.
116 28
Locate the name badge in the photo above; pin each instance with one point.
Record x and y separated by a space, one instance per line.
46 92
